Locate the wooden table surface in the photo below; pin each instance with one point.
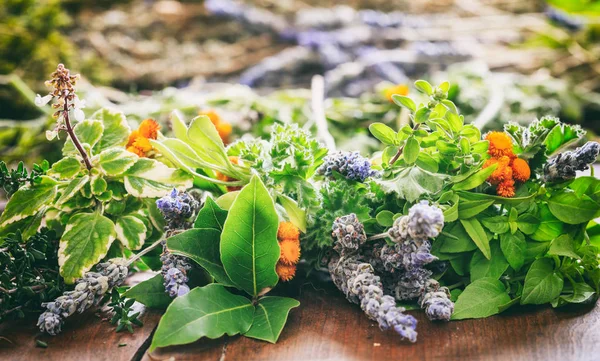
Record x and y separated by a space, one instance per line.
327 327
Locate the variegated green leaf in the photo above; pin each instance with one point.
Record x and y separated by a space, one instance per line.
65 168
148 178
131 231
86 241
88 132
116 129
28 200
98 185
72 189
115 161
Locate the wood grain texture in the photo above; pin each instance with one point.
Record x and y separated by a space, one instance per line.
327 327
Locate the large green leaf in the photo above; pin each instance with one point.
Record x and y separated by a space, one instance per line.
210 311
86 241
28 200
514 248
480 299
550 226
564 245
249 247
148 178
115 161
494 267
205 139
542 283
478 235
131 231
413 182
88 132
150 292
202 246
569 208
116 130
269 317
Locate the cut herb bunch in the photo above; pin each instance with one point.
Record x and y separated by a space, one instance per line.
443 218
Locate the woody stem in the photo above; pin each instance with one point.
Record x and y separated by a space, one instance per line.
74 138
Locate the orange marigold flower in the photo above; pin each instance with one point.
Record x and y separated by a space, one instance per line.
132 137
401 89
500 144
502 171
287 230
149 129
285 272
506 189
521 170
290 251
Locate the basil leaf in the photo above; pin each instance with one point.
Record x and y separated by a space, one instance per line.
514 247
494 267
478 235
480 299
542 283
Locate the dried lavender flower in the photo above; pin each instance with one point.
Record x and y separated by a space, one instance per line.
174 271
359 284
399 230
177 208
351 165
348 233
412 284
436 301
425 221
406 255
565 165
89 291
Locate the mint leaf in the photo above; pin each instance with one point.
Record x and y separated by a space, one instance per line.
494 267
480 299
210 311
478 235
542 283
528 223
550 227
569 208
497 224
563 245
514 248
383 133
270 317
249 247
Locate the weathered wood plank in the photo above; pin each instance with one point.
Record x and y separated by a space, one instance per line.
327 327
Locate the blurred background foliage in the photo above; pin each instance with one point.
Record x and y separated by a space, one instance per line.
507 60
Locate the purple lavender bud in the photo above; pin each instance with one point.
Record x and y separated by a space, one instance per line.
436 301
174 271
177 208
348 233
565 165
425 221
351 165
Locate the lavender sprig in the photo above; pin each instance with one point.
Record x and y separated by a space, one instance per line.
351 165
565 165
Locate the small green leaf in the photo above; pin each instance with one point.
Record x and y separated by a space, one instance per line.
405 102
88 132
581 293
470 208
424 87
427 163
211 216
480 299
249 247
296 214
115 161
385 134
116 130
475 180
270 317
210 311
86 241
563 245
28 200
150 292
202 246
385 218
478 235
131 231
514 248
454 239
148 178
542 283
411 150
528 223
65 168
226 200
72 189
422 115
496 224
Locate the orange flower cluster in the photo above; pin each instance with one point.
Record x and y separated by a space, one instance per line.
510 168
289 243
223 177
223 127
401 89
139 139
